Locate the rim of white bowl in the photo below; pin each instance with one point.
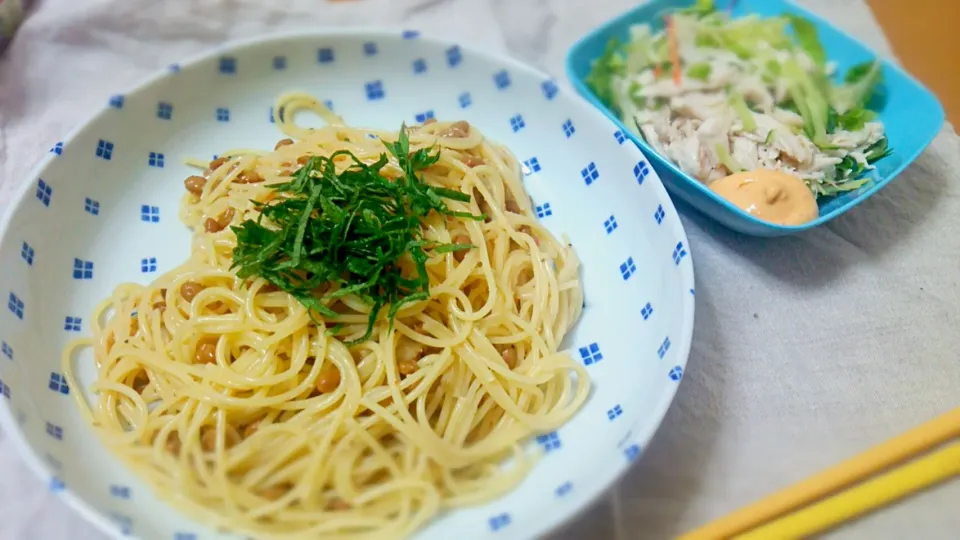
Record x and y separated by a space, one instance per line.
551 523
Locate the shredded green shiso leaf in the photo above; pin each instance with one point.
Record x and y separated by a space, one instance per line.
349 231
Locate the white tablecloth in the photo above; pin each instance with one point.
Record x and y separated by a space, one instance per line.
806 349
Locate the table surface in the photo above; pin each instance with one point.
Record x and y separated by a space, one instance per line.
806 350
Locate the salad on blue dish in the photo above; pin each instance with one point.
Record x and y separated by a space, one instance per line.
718 96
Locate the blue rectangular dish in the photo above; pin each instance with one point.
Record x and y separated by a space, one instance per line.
911 114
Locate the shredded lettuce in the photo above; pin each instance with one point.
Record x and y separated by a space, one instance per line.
745 37
638 100
740 106
723 155
859 85
833 119
640 51
661 49
605 68
807 39
700 8
809 101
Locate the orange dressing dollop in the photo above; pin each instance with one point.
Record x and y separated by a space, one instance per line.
774 196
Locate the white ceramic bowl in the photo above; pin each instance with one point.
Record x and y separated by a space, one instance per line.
102 209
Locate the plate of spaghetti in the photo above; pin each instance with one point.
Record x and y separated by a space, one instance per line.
343 285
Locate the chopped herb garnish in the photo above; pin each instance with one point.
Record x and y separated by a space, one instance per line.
849 167
699 71
328 234
860 72
855 119
878 151
601 76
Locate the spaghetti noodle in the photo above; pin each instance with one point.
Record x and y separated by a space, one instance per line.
240 406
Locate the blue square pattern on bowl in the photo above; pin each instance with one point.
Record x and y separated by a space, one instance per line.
910 113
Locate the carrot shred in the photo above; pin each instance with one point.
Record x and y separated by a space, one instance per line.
657 71
674 50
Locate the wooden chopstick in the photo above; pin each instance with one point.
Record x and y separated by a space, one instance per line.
900 482
900 448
